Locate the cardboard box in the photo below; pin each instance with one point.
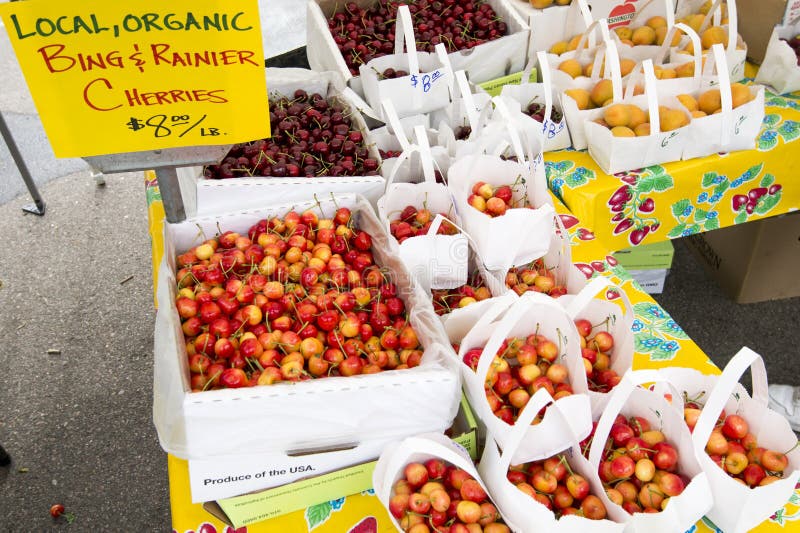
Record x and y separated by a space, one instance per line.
755 261
757 18
646 257
652 280
263 505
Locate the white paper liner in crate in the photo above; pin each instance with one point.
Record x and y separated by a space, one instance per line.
577 118
311 414
554 24
418 449
618 154
779 69
628 398
528 314
738 508
731 129
423 90
526 513
735 49
518 97
498 240
224 195
618 322
485 62
435 261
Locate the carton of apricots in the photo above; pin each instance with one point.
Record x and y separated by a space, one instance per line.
726 116
716 23
643 130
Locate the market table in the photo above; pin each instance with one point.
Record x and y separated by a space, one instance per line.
683 198
659 341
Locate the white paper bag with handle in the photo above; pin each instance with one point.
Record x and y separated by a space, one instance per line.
422 90
553 126
739 508
605 315
585 53
418 449
531 313
779 69
556 24
680 84
519 507
618 154
644 11
437 261
731 129
629 399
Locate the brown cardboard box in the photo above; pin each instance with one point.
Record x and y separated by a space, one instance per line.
756 20
755 261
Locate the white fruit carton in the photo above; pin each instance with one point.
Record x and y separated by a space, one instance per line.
308 415
487 61
739 508
223 195
779 69
520 317
629 399
527 514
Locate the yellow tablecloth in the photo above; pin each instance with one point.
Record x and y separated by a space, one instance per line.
686 197
659 342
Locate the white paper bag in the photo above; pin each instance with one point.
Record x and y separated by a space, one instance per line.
423 90
644 11
779 69
468 109
529 515
731 129
418 449
619 154
531 313
607 316
678 85
555 24
738 508
628 398
436 261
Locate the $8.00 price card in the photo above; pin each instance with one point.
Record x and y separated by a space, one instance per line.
110 77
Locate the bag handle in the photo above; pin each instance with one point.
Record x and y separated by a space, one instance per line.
719 62
424 149
619 396
744 359
500 304
661 55
513 133
404 38
466 95
590 291
652 97
547 83
583 43
444 59
733 21
402 158
519 430
394 124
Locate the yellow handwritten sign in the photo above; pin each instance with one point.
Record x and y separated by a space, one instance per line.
110 77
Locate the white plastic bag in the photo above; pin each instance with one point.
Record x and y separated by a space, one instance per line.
628 398
423 90
731 129
618 154
531 313
313 414
779 69
737 507
520 508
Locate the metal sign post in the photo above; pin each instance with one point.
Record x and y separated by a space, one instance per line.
38 206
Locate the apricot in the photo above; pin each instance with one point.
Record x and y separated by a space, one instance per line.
740 94
685 70
601 122
559 48
644 35
698 114
642 130
602 91
617 115
638 116
622 131
541 4
624 33
695 21
573 43
581 97
713 35
656 22
626 66
709 101
669 74
571 67
661 35
673 119
688 101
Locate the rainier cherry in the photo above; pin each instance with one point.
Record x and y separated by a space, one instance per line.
495 201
